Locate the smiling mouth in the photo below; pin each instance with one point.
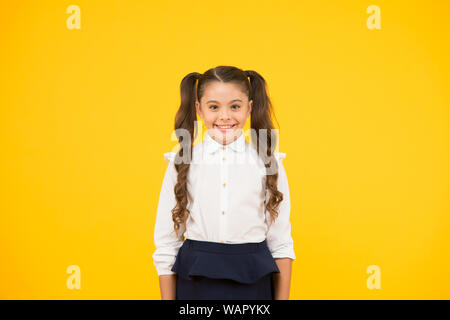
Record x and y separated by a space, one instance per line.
225 127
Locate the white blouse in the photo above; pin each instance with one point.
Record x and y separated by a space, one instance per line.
227 185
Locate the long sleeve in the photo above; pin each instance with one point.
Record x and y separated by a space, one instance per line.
167 243
279 239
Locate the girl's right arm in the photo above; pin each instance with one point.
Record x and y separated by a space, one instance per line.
168 286
167 242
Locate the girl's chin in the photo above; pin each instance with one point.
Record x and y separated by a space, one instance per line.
226 132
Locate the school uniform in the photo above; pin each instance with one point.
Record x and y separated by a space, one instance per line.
230 243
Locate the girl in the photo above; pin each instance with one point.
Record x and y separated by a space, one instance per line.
227 197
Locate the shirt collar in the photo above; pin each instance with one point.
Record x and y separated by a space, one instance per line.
212 145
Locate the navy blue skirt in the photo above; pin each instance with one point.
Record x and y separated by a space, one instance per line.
223 271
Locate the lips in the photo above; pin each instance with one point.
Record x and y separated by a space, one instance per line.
225 127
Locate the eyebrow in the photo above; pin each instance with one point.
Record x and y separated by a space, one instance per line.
219 102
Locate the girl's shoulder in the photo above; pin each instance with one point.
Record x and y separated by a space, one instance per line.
169 156
279 155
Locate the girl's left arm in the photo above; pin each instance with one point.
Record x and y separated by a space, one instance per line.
279 239
282 280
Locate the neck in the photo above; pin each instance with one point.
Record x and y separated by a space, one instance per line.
225 139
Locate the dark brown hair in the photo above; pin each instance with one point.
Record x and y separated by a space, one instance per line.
261 118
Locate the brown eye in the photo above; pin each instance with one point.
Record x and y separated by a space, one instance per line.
236 105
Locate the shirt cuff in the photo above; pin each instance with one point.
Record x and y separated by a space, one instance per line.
164 271
284 252
163 260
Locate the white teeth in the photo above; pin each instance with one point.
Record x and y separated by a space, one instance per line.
224 127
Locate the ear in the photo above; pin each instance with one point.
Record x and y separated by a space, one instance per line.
197 108
250 105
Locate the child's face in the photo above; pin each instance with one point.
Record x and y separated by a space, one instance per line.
224 104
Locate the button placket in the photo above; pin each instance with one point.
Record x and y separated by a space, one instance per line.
223 194
226 215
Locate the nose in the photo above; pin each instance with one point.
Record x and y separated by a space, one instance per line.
224 114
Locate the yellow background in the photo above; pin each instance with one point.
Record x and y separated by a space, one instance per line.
87 114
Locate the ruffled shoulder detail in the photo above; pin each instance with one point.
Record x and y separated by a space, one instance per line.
279 155
169 156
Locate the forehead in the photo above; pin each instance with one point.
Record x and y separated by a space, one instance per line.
223 92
